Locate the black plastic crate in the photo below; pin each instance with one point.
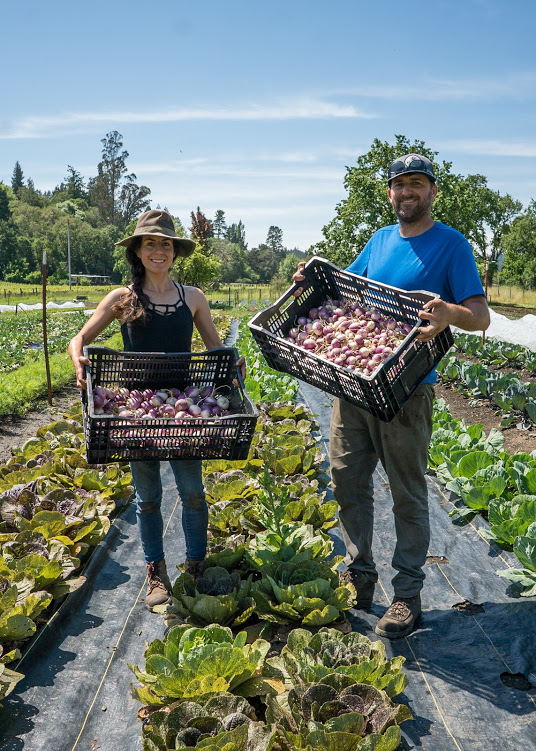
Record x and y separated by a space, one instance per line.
382 394
110 438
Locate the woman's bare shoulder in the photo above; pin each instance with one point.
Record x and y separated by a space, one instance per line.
116 294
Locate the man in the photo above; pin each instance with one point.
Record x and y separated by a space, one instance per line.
417 253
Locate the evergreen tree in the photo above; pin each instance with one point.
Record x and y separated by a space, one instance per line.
74 184
219 224
274 240
236 233
133 200
17 179
104 189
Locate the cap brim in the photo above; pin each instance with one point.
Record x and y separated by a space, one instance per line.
413 172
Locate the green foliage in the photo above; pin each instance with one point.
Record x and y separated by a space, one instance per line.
194 662
216 597
307 658
465 203
519 248
199 270
307 591
337 713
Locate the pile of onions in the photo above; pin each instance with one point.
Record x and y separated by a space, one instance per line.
349 335
151 404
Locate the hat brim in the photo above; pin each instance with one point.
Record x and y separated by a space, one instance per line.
185 245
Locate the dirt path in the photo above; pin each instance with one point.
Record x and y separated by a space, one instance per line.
15 430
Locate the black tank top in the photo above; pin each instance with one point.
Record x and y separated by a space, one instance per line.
168 329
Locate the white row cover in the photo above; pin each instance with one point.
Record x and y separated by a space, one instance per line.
39 306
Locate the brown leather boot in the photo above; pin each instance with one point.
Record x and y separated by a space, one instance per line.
158 584
399 619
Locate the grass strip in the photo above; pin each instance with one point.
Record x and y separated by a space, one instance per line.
22 388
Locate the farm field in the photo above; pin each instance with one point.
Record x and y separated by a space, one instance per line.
470 664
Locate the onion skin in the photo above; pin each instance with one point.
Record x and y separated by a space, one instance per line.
349 335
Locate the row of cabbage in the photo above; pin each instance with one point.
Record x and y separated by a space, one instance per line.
496 352
490 481
259 654
54 510
505 392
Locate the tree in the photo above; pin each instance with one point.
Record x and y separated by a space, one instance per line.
5 211
465 203
234 261
274 240
201 228
236 233
104 189
17 179
264 261
519 248
74 184
8 247
219 224
199 270
133 200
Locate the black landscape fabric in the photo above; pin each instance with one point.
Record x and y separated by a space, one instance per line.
471 662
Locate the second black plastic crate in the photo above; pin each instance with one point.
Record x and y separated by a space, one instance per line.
383 394
110 438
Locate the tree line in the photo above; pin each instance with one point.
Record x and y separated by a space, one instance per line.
88 216
502 235
96 212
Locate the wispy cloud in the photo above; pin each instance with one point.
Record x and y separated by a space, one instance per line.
513 86
304 109
492 147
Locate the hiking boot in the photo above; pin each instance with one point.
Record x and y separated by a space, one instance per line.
364 589
158 584
195 568
400 617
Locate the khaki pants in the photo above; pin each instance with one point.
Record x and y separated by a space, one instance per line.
357 441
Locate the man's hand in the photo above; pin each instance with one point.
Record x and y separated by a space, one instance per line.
472 314
299 277
437 315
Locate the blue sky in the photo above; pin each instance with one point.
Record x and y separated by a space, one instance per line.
258 108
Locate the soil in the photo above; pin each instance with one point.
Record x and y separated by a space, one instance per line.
16 430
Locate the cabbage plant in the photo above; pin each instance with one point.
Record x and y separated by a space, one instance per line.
308 592
216 597
212 722
337 713
193 662
307 658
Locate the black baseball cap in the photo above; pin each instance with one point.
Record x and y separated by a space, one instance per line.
411 163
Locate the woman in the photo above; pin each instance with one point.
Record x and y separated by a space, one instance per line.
157 315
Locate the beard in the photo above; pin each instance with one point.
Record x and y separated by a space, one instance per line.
414 213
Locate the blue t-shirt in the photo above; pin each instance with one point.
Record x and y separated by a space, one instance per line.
439 261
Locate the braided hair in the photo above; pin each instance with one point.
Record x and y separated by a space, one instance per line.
134 305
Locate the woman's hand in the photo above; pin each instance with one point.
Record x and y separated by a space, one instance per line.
241 363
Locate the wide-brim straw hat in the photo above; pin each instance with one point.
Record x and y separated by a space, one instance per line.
160 223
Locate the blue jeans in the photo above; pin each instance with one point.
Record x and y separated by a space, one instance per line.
148 484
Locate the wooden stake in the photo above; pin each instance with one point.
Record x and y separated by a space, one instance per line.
45 342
